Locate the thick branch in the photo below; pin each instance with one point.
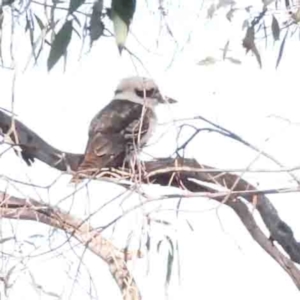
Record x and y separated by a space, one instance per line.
178 173
162 170
34 147
24 209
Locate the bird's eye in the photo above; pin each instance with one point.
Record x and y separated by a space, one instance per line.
145 93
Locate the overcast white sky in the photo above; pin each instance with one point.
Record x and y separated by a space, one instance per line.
219 258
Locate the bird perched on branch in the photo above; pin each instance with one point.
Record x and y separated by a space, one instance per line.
123 127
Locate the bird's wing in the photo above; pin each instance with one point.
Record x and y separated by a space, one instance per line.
101 150
117 116
119 124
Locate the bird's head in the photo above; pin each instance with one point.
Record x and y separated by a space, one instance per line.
141 90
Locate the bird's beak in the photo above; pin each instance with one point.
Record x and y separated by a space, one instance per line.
170 100
165 100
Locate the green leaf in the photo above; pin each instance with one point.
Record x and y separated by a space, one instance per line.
4 240
170 260
125 9
249 44
7 2
148 242
122 13
158 245
225 50
39 21
275 29
96 24
169 267
234 60
121 31
248 41
190 225
76 19
170 243
178 260
281 49
30 28
60 44
207 61
74 5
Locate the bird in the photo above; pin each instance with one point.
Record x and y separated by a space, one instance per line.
123 127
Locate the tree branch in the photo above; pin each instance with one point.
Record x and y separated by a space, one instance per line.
29 209
34 147
182 173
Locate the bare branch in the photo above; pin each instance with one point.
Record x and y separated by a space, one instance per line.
28 209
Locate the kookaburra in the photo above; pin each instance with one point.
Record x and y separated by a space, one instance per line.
122 127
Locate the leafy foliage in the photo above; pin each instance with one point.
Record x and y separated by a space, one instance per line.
96 24
257 24
94 20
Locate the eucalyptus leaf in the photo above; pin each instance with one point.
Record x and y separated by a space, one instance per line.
170 260
60 44
39 21
225 50
275 29
248 41
170 263
96 24
148 242
125 9
190 225
249 44
209 60
74 5
234 60
281 49
158 245
122 12
30 28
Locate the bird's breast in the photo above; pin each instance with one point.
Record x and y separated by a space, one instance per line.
151 124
